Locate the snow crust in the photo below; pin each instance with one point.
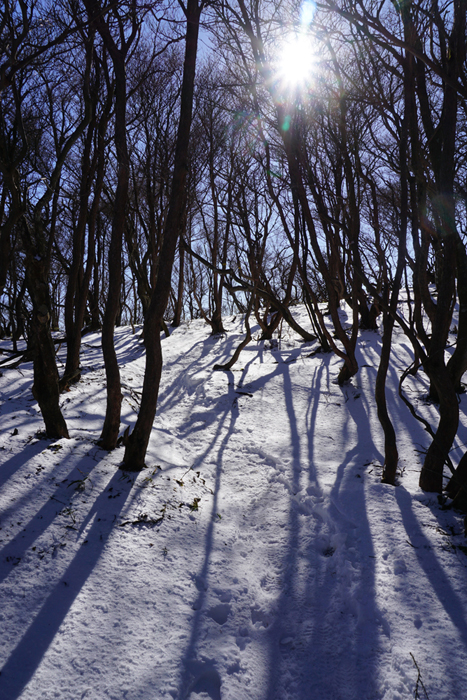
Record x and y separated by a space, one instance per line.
257 557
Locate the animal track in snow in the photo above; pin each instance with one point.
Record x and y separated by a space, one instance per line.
219 613
258 615
205 679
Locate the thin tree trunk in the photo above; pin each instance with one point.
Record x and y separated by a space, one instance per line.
73 333
136 448
38 247
118 54
45 389
77 298
181 273
391 456
109 435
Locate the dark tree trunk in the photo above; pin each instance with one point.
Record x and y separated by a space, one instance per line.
441 142
118 54
136 448
93 294
181 274
9 168
216 318
17 315
431 476
457 485
391 456
5 244
38 246
457 364
368 315
72 330
45 389
267 327
77 289
109 435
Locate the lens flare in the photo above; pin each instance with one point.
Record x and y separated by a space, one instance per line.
296 59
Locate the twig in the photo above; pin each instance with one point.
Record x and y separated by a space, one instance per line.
419 680
143 521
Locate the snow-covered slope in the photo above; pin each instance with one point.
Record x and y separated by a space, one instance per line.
257 557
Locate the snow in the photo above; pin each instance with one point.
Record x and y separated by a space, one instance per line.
257 557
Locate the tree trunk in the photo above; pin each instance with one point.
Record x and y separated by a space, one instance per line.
77 290
390 447
109 435
431 476
136 448
73 333
38 247
118 54
181 273
45 389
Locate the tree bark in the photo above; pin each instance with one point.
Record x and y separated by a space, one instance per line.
45 389
118 54
136 448
391 455
109 435
181 273
431 476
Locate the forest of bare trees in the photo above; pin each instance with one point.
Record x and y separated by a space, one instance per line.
156 166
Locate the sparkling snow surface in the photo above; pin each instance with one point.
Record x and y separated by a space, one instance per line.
257 557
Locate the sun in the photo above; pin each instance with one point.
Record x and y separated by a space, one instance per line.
296 59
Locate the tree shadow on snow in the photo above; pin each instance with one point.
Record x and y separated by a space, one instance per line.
202 676
16 461
169 395
430 564
30 650
324 639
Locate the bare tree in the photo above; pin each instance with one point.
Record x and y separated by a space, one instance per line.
118 31
38 234
138 440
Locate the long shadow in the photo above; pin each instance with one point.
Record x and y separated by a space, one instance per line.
288 594
217 412
311 417
348 506
13 405
26 657
200 676
234 391
170 395
134 348
18 545
430 564
307 655
11 465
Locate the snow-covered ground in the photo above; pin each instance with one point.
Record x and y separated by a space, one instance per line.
257 557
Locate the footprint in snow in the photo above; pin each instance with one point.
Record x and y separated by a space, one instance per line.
243 638
286 641
259 616
219 613
204 679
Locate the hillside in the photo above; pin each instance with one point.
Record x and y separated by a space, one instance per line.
257 557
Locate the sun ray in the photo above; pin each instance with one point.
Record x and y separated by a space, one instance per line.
296 59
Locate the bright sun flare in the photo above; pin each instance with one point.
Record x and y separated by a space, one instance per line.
297 59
